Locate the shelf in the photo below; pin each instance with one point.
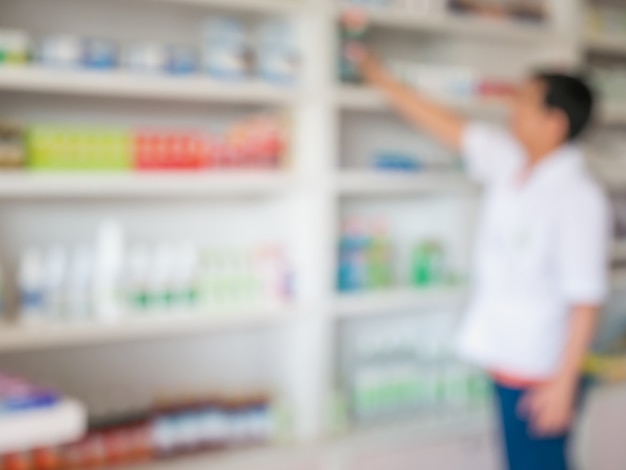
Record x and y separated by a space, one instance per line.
415 429
51 427
360 98
462 26
397 300
40 337
261 6
606 43
15 185
199 89
619 250
396 183
613 114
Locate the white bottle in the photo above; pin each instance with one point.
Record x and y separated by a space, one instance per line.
184 277
79 284
55 277
107 271
31 285
136 277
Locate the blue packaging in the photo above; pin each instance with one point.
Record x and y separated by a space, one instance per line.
225 49
99 54
181 60
396 162
277 58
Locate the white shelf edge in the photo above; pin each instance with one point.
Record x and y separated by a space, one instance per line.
17 338
396 183
450 23
606 42
201 89
260 6
25 184
362 98
396 300
411 428
63 423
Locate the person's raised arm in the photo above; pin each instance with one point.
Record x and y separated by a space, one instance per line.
442 123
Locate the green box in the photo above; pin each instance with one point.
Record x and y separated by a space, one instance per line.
55 148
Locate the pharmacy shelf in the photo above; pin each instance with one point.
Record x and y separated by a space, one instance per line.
16 185
49 427
355 183
417 428
606 43
450 24
261 6
619 250
397 300
49 336
198 89
618 280
361 98
613 114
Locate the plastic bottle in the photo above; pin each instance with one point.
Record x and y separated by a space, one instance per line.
79 284
107 270
31 285
56 273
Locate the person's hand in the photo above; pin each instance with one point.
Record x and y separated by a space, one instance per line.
550 407
369 66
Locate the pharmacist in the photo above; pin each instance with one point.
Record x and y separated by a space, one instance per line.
542 252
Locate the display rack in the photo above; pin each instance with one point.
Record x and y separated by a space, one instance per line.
462 27
16 338
24 185
31 79
606 43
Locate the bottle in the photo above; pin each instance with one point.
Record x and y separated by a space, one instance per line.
108 264
31 286
136 275
79 284
56 270
353 32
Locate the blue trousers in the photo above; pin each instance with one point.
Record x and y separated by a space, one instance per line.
525 450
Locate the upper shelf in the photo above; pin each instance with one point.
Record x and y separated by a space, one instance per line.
15 185
16 338
397 300
606 43
390 183
361 98
262 6
199 89
464 26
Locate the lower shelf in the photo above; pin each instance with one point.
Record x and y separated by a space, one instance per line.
45 336
396 300
41 428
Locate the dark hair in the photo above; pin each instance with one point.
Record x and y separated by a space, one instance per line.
572 95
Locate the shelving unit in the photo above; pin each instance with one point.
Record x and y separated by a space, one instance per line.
606 43
312 194
359 98
160 185
16 338
398 300
262 6
461 26
372 183
197 89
